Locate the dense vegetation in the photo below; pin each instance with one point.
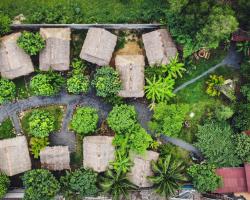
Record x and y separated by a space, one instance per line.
7 90
4 184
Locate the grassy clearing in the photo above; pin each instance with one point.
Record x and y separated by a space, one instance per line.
57 111
6 129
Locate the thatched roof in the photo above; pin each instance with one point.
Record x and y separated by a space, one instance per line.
56 54
98 46
98 151
55 158
14 156
159 46
131 70
14 62
142 168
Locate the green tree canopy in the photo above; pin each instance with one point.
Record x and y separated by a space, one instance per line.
7 90
40 184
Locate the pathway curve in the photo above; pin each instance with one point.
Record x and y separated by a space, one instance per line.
232 59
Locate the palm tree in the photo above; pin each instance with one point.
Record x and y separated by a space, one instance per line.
117 184
168 176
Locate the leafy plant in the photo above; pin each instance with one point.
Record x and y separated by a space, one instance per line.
116 184
31 43
78 84
204 177
79 183
78 66
7 90
46 84
84 120
243 47
168 119
174 68
41 123
122 118
241 119
38 144
106 82
169 175
213 85
4 184
5 23
242 142
121 164
245 90
6 129
223 113
159 90
40 184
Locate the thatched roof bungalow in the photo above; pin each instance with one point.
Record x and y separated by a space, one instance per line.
131 70
14 156
98 151
142 168
56 54
55 158
98 46
14 62
159 47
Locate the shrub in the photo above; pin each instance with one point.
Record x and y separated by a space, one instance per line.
106 82
213 85
204 177
116 184
79 183
78 84
40 184
168 176
242 142
241 119
4 184
223 113
245 90
6 129
168 119
84 120
7 90
216 144
41 123
159 90
78 66
38 144
121 164
31 43
46 84
122 118
5 23
243 47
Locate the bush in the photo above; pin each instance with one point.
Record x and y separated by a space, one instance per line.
40 184
78 84
216 144
241 119
78 66
106 82
38 144
122 118
204 177
245 90
84 120
6 129
4 184
168 119
46 84
41 123
223 113
242 142
7 91
79 183
213 85
5 23
31 43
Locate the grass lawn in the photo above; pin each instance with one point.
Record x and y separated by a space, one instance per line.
6 129
56 111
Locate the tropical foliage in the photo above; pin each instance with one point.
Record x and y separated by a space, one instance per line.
38 144
241 119
31 43
244 47
40 184
5 23
242 142
213 85
4 184
6 129
84 120
7 90
223 113
78 84
169 175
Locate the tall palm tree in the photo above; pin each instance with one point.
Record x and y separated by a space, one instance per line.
169 175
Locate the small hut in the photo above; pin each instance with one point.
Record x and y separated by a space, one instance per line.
14 156
131 70
14 62
159 47
98 46
98 151
56 54
142 168
55 158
